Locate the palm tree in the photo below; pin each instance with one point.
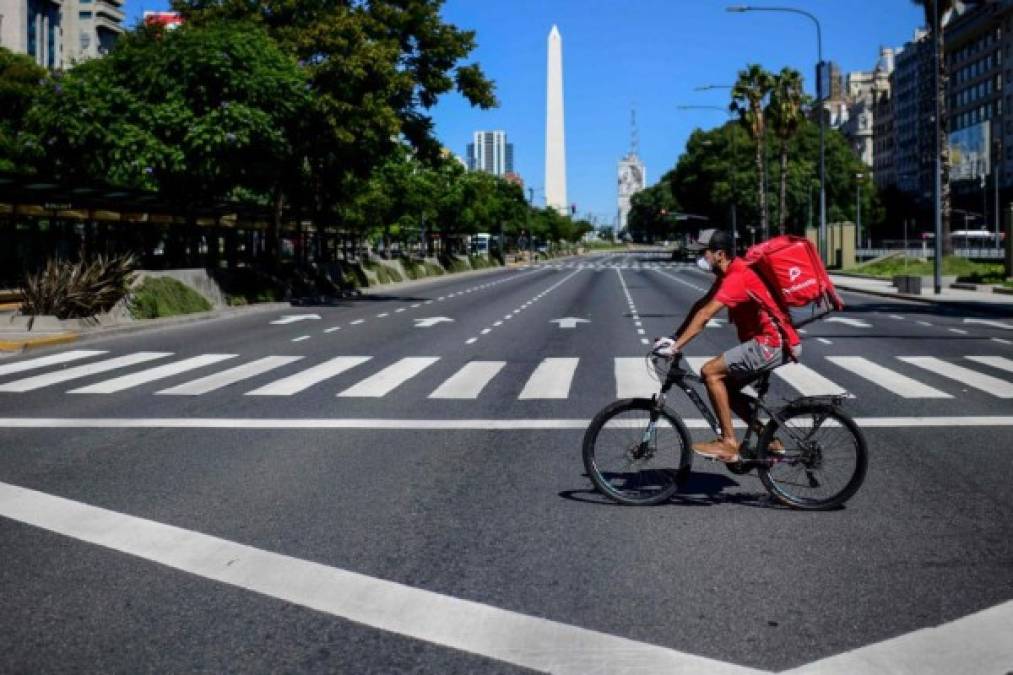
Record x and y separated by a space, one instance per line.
935 10
748 95
785 115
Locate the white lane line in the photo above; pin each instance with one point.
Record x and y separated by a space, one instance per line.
39 381
382 424
977 643
1000 362
511 637
469 381
957 331
331 330
891 380
357 322
301 338
633 380
485 331
385 381
230 376
825 341
643 341
293 384
497 323
923 323
428 302
971 378
896 316
1003 341
551 379
382 315
807 381
399 310
681 281
51 360
417 304
152 374
470 341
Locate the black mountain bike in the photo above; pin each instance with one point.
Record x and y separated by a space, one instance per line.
810 454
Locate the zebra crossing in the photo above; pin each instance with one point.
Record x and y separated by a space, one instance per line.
906 377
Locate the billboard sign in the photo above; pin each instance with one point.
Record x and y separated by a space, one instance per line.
969 152
168 20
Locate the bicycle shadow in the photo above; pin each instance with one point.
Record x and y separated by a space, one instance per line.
700 489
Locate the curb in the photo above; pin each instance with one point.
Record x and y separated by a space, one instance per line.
42 341
994 308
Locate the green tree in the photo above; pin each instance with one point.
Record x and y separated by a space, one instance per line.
652 213
785 114
21 82
935 10
748 96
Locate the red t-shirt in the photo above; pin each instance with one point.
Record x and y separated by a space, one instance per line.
749 316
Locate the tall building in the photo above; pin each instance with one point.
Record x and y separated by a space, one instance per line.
830 95
555 144
60 33
632 175
490 152
865 92
911 87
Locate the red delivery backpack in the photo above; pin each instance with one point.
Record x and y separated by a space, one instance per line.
792 269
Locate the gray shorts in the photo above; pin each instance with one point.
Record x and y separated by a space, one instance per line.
749 360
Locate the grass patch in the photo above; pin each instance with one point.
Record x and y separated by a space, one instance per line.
965 270
164 296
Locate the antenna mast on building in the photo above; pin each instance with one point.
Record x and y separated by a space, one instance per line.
634 134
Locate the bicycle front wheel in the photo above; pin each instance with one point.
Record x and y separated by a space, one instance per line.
633 462
824 459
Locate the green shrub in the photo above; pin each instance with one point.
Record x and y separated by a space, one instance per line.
164 296
78 290
454 264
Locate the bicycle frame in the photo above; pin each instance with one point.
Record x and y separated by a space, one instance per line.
684 379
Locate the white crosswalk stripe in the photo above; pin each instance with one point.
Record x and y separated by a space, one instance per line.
633 379
469 381
230 376
807 381
388 379
293 384
51 360
151 374
551 379
1000 362
891 380
56 377
971 378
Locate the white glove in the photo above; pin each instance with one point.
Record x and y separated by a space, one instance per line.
664 347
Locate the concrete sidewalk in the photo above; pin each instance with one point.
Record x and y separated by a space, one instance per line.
980 300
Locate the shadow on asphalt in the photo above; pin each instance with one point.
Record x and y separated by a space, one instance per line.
702 489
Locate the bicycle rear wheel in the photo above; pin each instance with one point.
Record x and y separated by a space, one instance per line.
824 459
632 464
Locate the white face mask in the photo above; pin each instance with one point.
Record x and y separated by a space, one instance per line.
704 265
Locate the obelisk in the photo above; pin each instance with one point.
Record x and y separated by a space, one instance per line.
555 146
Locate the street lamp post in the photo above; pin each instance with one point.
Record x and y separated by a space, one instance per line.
735 159
819 64
858 211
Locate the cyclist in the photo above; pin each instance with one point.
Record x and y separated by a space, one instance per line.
766 342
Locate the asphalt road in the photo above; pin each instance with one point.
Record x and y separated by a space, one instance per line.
382 490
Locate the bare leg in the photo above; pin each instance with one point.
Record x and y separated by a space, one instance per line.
714 373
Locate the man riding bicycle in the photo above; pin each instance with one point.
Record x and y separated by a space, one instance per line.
766 342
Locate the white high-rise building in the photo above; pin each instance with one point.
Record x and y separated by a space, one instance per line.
555 145
491 153
60 33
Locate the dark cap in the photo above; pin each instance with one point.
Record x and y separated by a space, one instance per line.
720 241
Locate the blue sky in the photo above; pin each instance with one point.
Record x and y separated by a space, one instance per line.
647 54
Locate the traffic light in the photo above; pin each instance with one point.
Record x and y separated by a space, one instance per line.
573 209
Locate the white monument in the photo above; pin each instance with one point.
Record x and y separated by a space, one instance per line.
555 146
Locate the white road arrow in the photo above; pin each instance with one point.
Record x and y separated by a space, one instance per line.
569 322
987 322
857 323
292 318
430 321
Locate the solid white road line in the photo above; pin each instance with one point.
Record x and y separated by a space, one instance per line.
385 381
971 378
891 380
39 381
356 322
633 379
301 338
51 360
1000 362
223 379
507 636
152 374
469 381
305 379
386 424
551 379
807 381
978 643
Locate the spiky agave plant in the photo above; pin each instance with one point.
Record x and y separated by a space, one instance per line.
76 290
